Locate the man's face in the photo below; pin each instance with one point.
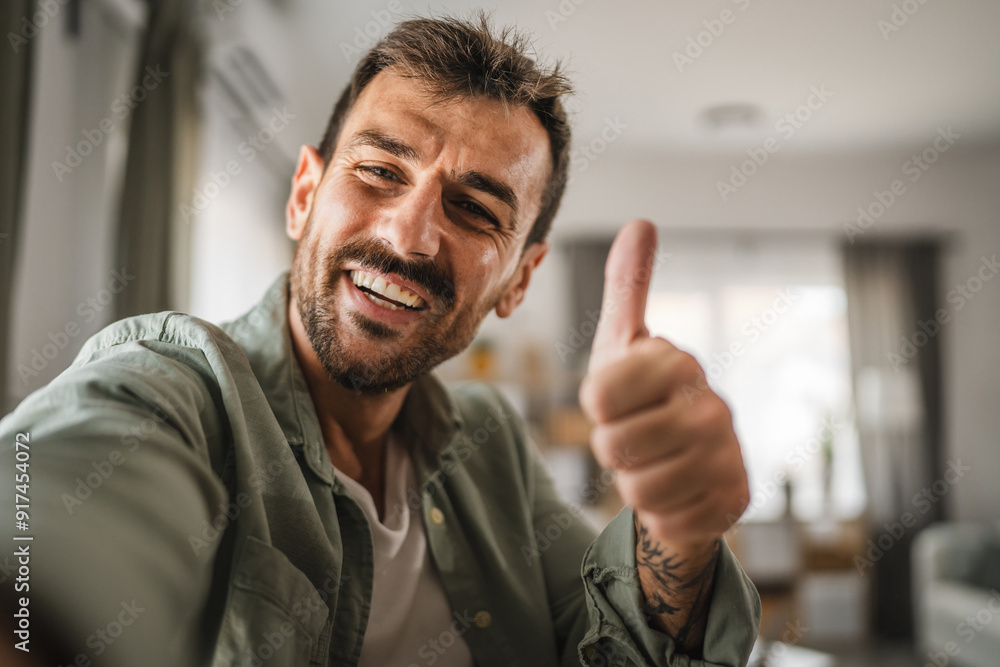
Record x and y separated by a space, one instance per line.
414 232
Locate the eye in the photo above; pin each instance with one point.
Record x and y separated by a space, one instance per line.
380 173
478 211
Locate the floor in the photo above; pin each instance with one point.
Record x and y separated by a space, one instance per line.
878 656
898 655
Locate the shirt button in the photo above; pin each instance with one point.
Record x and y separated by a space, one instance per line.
483 619
437 516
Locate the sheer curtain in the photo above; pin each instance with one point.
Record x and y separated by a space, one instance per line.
161 164
891 297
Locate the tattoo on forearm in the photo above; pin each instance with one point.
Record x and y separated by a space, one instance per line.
676 597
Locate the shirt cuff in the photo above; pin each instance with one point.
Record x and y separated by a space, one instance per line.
619 634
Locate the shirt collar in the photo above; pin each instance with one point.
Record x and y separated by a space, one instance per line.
428 420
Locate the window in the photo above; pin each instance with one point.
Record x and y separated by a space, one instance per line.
768 322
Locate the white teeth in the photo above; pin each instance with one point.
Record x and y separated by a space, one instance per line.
388 290
384 304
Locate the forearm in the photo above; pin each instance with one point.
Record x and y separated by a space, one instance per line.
676 583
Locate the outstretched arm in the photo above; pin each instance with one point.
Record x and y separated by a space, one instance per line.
118 481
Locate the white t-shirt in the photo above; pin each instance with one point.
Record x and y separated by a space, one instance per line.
411 623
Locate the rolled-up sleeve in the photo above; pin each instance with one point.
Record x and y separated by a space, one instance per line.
618 631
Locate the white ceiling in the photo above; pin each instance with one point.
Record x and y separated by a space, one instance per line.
942 67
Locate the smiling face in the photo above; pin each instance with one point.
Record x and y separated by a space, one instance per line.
414 231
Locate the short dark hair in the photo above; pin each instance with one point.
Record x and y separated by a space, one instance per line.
459 59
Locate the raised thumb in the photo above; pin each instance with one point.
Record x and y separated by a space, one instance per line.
626 286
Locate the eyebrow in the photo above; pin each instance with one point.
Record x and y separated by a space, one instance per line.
402 150
489 185
384 142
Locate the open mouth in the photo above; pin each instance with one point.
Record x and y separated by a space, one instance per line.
386 294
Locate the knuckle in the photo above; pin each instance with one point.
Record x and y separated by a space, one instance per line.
713 413
687 364
660 346
586 395
595 398
603 446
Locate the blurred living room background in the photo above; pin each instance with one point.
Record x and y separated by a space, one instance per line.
825 178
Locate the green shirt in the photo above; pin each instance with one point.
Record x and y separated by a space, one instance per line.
184 512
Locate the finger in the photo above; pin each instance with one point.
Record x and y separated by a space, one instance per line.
667 485
643 437
652 371
664 432
626 285
708 514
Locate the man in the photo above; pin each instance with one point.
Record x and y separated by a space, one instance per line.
297 488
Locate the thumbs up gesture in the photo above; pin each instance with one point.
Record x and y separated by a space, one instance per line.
677 457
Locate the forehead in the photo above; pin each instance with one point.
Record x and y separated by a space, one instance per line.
476 134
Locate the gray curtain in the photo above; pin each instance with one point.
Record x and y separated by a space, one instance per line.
587 258
161 162
15 111
895 357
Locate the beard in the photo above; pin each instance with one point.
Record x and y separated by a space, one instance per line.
375 358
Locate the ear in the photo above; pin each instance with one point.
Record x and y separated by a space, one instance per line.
305 182
514 294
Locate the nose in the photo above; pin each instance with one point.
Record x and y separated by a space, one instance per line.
413 225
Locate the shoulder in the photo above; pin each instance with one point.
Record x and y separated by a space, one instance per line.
167 333
166 364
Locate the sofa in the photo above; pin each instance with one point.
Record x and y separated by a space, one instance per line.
956 594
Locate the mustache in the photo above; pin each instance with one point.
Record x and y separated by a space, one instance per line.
375 256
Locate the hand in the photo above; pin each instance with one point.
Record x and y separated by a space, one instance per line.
677 458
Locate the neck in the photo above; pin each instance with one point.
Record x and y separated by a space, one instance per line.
354 425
